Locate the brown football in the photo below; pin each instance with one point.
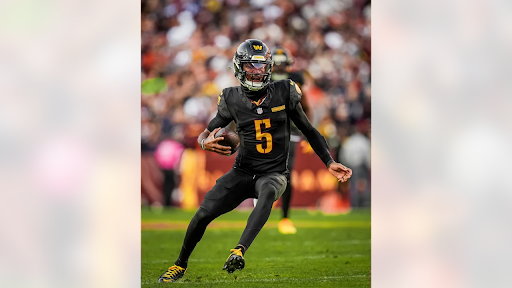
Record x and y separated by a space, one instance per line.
231 139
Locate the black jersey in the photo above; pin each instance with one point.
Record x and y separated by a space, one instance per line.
264 129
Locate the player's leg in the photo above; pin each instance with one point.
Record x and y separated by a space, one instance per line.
268 189
285 226
223 198
287 195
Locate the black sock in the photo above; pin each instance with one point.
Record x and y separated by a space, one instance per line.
181 263
239 246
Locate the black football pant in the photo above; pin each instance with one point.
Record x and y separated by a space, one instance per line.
229 191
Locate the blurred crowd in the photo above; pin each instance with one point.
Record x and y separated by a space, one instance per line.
190 45
442 171
441 204
68 168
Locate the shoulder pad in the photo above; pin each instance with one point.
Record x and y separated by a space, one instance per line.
295 94
222 106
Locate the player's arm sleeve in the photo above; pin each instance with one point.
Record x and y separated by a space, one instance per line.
217 121
316 140
223 117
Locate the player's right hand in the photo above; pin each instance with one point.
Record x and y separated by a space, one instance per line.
210 144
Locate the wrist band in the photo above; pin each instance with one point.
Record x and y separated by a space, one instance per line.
202 143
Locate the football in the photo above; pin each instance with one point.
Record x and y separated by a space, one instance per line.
231 139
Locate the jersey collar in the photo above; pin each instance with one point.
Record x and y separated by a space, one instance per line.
258 103
265 102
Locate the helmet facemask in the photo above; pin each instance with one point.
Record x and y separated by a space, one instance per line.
254 75
253 72
280 71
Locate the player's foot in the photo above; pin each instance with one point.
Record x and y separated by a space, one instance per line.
235 261
285 226
173 274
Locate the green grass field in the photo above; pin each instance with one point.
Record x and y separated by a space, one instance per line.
327 251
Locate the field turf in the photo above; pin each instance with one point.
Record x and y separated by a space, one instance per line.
327 251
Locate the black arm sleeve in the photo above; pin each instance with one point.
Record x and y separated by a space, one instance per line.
218 121
316 140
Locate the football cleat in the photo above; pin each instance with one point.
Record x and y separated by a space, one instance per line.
235 261
173 274
285 226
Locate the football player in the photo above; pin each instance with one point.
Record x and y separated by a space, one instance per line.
262 110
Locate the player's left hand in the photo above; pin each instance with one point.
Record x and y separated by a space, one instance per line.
342 173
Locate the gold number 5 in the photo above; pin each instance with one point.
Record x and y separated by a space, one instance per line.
260 136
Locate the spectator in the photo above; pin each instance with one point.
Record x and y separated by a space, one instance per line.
356 154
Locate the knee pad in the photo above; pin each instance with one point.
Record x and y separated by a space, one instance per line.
268 193
271 186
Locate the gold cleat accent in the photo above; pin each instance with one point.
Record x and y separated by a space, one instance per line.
285 226
235 261
173 274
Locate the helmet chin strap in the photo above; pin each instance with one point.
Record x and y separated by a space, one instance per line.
252 88
252 85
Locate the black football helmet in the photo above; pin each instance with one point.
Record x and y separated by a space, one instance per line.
282 56
253 64
282 60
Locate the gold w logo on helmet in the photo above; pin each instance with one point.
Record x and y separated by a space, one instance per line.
257 47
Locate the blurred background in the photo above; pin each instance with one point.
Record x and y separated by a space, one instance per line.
69 143
186 49
69 129
440 143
